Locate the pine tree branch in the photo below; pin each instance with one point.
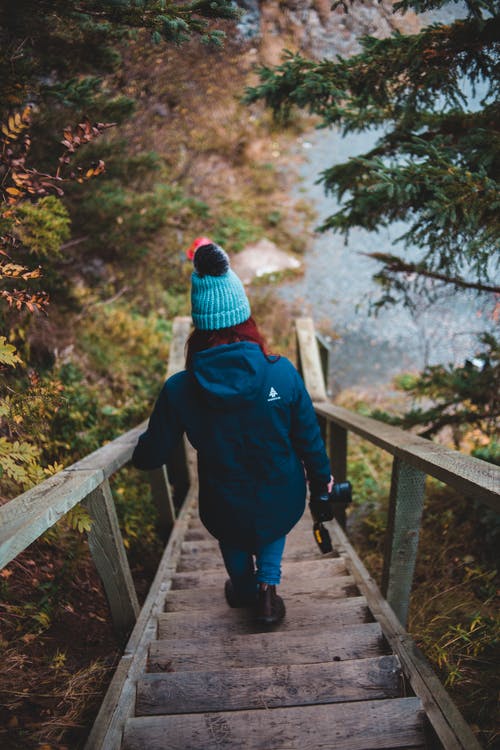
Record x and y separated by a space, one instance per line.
396 265
460 418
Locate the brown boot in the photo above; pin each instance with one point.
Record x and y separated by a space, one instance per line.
270 606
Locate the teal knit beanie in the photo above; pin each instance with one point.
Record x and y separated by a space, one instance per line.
218 299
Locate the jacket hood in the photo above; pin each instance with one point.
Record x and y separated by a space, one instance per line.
230 374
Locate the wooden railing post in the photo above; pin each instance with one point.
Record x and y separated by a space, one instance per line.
337 452
162 497
108 552
405 514
310 366
177 467
309 359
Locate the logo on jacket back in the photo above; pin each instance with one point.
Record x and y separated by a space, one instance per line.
273 395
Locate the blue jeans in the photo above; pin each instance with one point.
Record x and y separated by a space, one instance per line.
245 574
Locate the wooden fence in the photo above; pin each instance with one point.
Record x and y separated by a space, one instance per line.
414 458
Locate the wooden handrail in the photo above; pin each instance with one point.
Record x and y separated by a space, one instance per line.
414 458
28 516
470 476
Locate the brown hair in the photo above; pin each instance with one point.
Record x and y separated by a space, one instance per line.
200 340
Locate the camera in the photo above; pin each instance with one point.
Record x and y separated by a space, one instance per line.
326 506
341 493
323 506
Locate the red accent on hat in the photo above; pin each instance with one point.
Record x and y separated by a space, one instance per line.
199 241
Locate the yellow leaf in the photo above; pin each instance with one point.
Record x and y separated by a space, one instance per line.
13 191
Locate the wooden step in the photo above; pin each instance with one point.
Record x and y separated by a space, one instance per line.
268 687
197 534
306 570
295 543
321 589
240 621
210 559
306 646
367 725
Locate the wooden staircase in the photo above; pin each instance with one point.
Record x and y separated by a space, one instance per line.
324 678
339 672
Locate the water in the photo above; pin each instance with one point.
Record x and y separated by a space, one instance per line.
338 286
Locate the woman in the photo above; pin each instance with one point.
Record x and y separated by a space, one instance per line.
253 425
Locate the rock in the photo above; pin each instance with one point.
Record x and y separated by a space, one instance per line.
312 28
261 258
160 109
249 24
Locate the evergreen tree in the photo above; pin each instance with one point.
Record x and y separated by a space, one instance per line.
436 164
53 56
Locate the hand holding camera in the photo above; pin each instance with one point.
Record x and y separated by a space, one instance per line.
322 504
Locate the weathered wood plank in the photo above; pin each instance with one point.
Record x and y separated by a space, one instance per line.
337 452
212 559
110 558
177 468
303 591
112 456
107 730
200 562
370 725
306 646
403 529
300 540
197 535
26 517
240 621
309 359
268 687
446 720
181 329
470 476
162 498
307 569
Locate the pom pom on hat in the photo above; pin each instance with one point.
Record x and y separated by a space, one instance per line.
198 242
211 260
218 299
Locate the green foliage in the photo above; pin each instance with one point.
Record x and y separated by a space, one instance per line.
137 513
490 452
369 471
124 220
457 396
19 462
8 354
436 165
234 228
79 519
44 226
54 47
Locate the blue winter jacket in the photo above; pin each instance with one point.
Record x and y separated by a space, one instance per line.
253 425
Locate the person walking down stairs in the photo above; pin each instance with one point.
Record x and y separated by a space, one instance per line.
252 423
